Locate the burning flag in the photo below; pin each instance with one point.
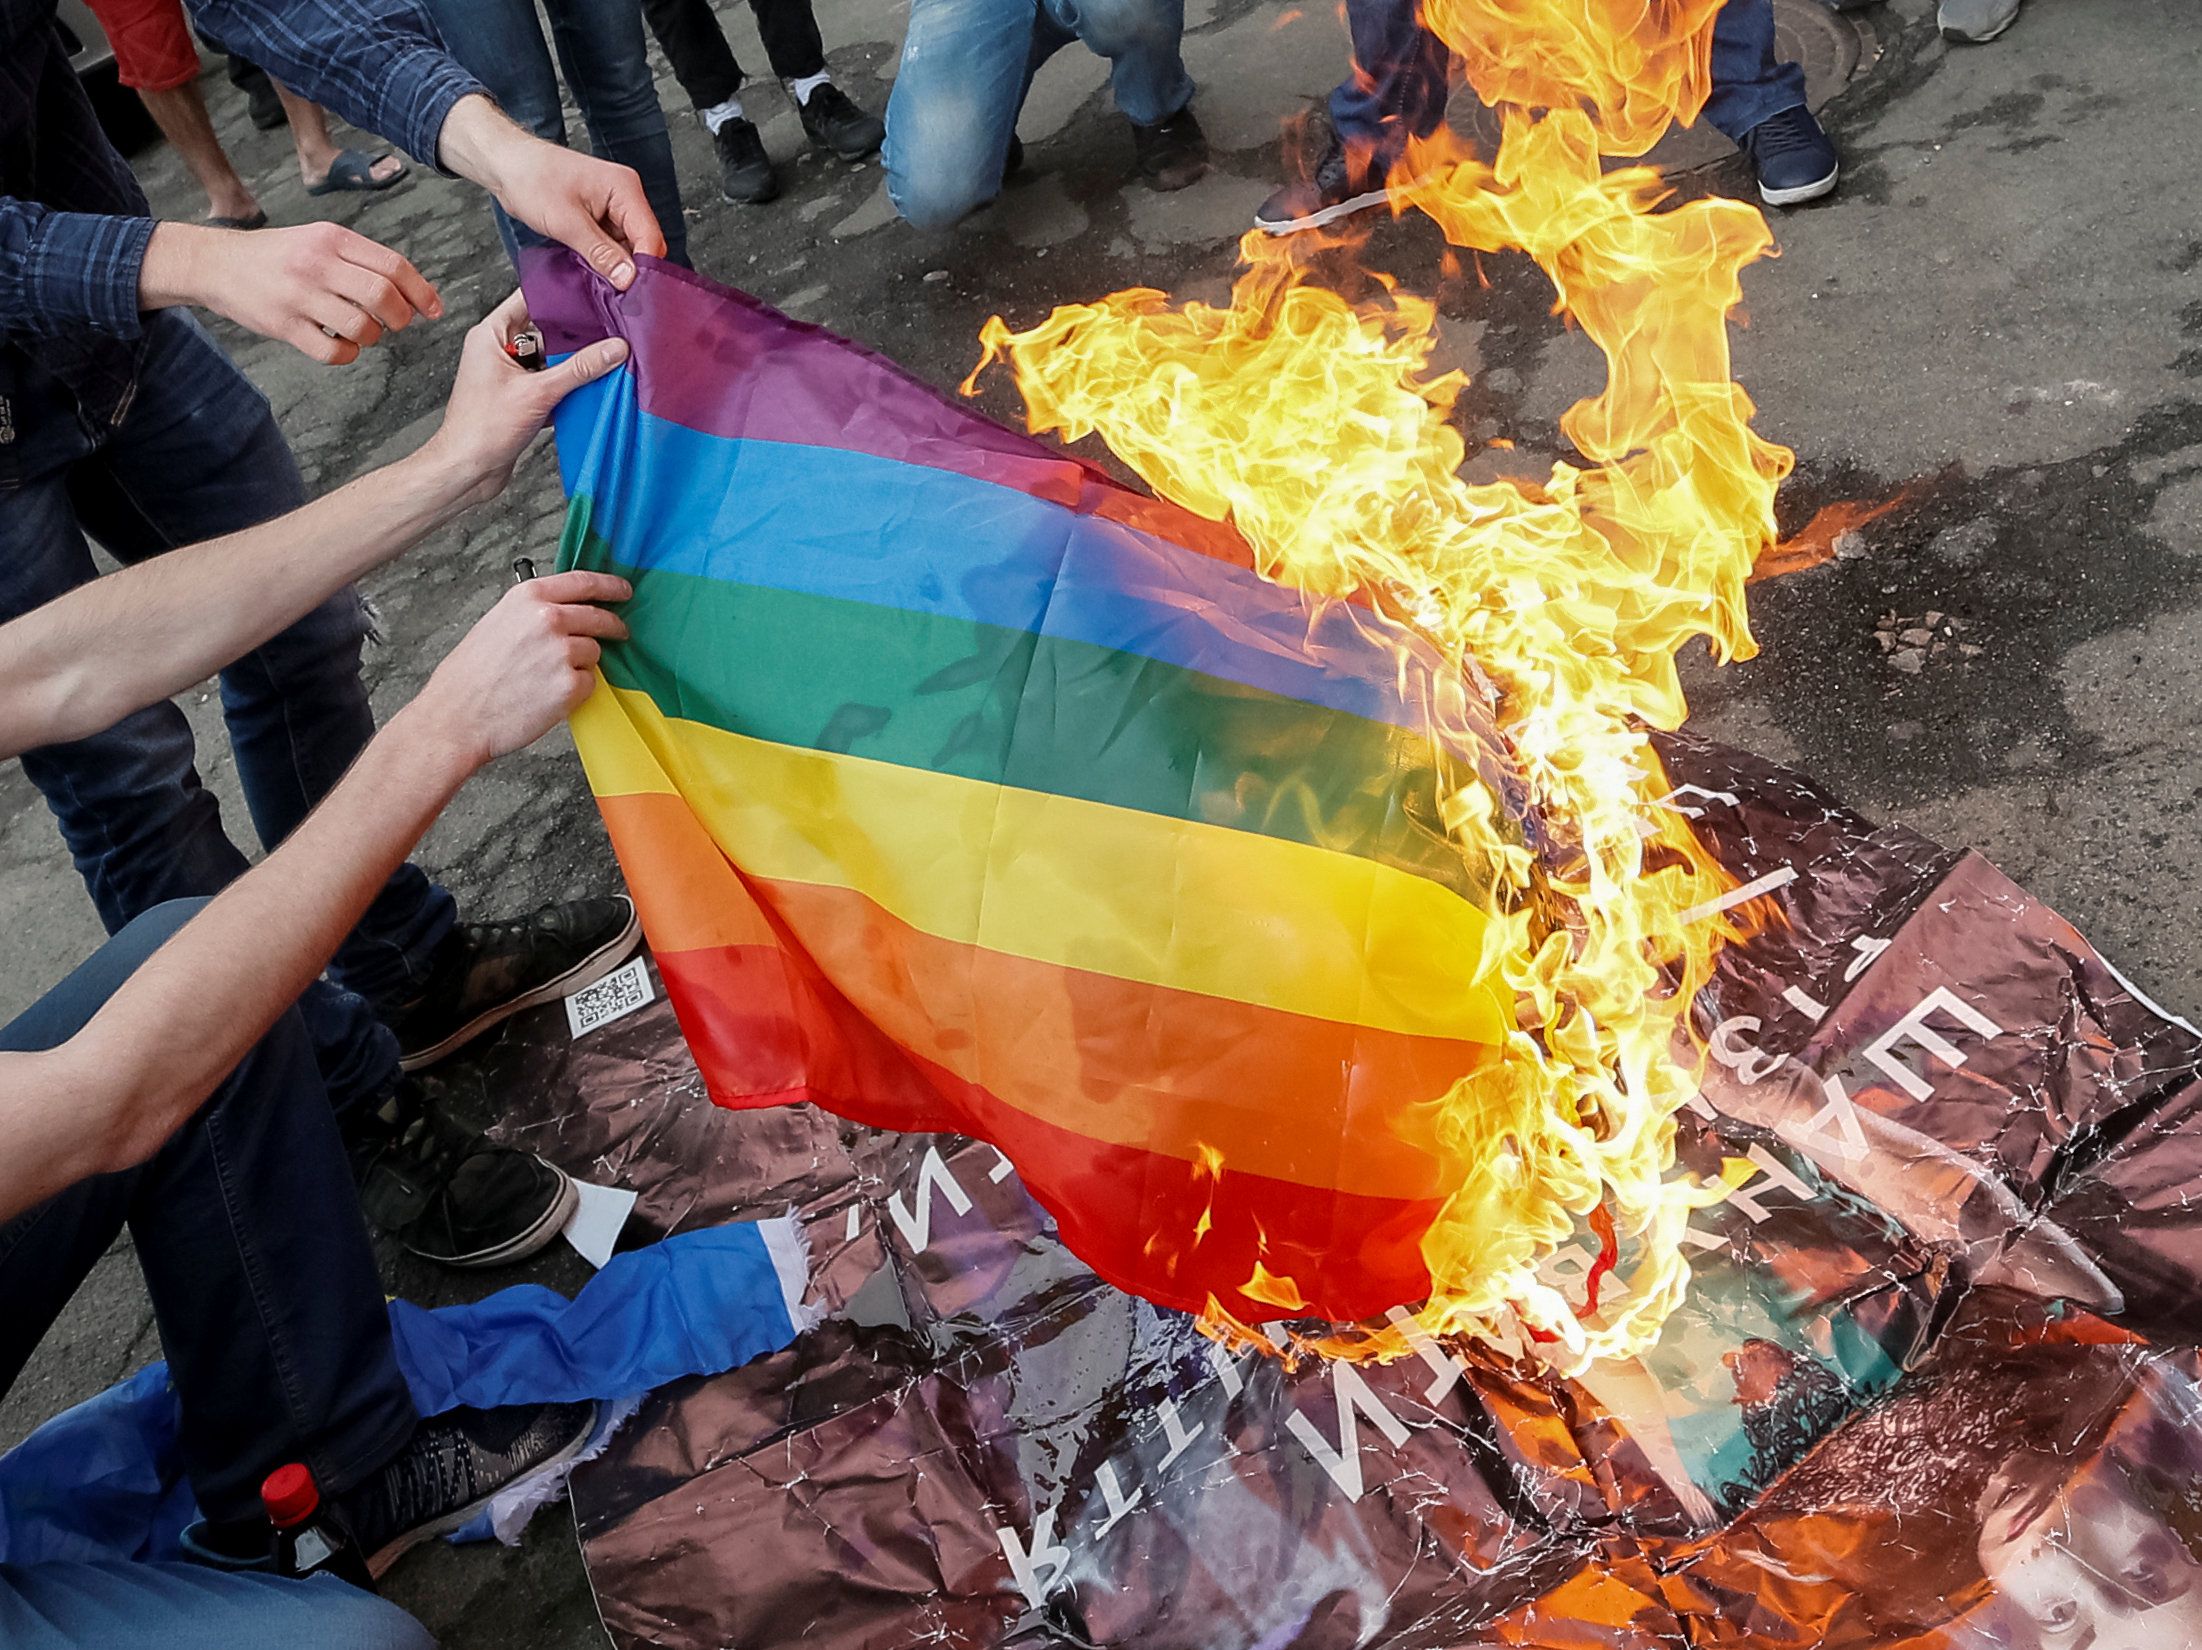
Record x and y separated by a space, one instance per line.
962 788
1280 871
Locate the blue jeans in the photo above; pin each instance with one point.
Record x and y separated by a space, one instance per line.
197 454
249 1234
601 49
1748 85
966 66
122 1606
1398 87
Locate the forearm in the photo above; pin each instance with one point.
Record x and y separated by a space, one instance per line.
87 659
380 66
149 1058
475 134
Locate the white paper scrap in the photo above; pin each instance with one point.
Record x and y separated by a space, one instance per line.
597 1220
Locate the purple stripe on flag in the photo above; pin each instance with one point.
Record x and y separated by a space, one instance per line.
724 363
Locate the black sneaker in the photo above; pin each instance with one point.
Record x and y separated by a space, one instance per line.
442 1479
1173 154
1793 158
746 176
831 121
488 972
1339 188
450 1195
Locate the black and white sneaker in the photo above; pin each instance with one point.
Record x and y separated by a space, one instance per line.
454 1464
448 1194
1793 157
746 176
487 972
832 122
1340 187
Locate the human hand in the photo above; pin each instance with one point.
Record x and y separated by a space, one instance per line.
497 405
524 667
320 288
591 205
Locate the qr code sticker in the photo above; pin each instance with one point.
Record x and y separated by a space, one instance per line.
615 996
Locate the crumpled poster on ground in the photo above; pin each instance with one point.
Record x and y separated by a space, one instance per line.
1935 1384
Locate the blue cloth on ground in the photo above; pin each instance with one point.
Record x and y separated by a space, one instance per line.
104 1480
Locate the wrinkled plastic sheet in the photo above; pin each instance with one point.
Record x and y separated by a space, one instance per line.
1934 1384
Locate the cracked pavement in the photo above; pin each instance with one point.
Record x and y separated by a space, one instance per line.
1996 324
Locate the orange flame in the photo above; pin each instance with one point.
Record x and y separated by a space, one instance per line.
1318 428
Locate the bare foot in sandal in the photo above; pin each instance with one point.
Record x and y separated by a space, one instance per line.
326 168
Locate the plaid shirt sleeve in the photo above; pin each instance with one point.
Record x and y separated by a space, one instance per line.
378 63
62 271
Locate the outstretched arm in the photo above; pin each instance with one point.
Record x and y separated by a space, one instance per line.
111 1095
378 63
89 658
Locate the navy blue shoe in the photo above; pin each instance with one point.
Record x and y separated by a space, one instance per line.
1793 158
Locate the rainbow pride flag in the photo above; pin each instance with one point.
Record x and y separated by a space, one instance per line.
962 788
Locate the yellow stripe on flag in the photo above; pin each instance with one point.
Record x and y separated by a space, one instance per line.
1171 903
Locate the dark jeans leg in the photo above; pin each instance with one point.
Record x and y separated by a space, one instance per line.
607 66
688 33
200 455
789 29
250 1237
1748 85
1399 83
501 43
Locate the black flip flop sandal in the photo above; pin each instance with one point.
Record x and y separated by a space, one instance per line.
353 173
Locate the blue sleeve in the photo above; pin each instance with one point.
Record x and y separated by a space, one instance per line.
60 271
378 63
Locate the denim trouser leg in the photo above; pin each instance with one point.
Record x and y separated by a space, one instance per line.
249 1235
118 1605
966 65
197 456
600 46
1399 83
1748 85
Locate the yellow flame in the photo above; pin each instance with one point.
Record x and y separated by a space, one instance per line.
1318 428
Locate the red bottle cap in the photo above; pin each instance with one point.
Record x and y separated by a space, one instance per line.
290 1495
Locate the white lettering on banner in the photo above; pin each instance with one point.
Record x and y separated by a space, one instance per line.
1850 1142
1868 951
1804 1003
1037 1570
1697 1239
1776 1171
1180 1435
1227 1370
1002 1169
1779 1173
1740 896
1746 1061
916 1226
1914 1027
1354 1400
1444 1372
1702 794
1113 1497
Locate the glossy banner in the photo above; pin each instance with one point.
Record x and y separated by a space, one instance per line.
1935 1386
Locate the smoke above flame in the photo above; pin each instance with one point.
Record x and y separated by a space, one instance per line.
1319 428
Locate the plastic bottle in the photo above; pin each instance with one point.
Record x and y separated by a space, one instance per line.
306 1541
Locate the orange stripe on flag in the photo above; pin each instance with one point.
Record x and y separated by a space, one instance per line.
1314 1102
